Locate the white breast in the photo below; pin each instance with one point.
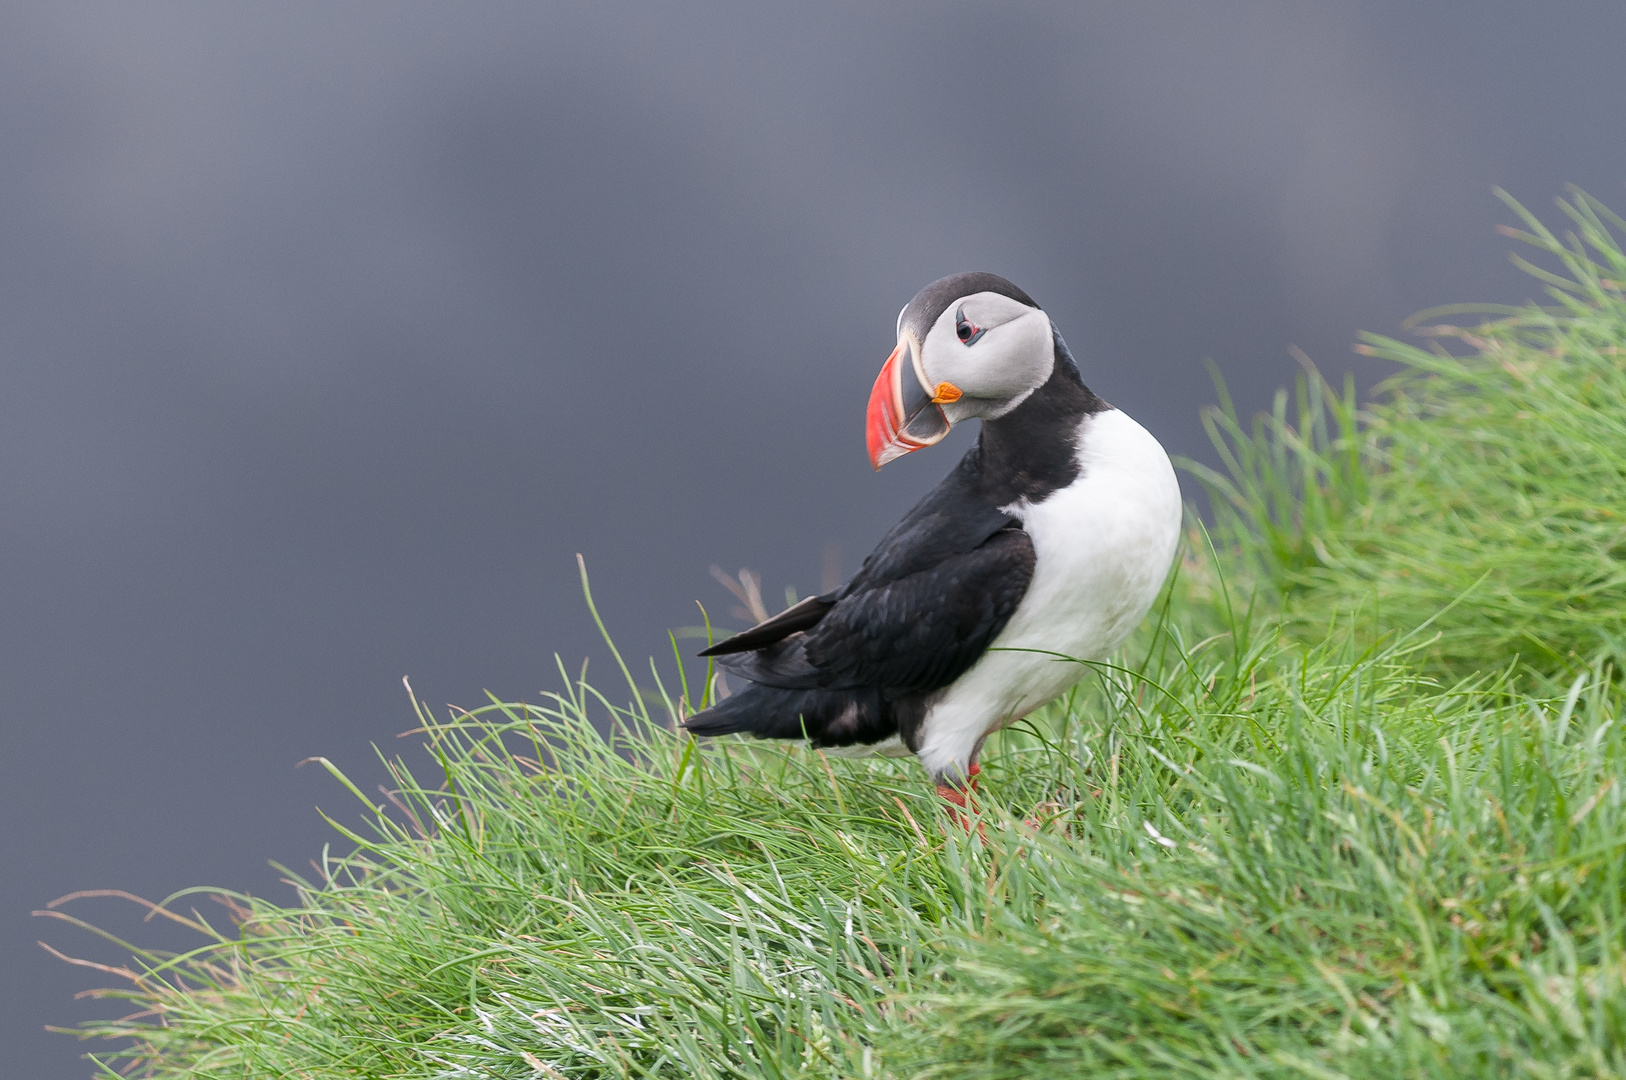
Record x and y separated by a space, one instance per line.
1103 546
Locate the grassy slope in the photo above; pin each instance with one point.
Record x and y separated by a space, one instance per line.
1261 855
1493 481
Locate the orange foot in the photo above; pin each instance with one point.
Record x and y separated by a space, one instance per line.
961 799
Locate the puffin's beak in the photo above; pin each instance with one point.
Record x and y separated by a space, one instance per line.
904 414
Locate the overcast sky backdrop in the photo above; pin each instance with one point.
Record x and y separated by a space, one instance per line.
330 333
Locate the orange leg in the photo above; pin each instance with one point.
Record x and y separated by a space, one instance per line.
962 798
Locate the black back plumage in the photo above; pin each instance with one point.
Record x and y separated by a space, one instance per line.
857 665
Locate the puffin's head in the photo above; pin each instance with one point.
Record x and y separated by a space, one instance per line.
969 345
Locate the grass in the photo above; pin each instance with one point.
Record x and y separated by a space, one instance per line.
1288 833
1491 481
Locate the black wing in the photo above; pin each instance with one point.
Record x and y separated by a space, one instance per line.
923 630
954 518
796 617
928 601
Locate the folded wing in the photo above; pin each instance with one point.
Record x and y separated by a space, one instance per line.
903 635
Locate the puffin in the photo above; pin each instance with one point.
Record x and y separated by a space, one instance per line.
1045 546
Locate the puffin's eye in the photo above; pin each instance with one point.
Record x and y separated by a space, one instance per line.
966 330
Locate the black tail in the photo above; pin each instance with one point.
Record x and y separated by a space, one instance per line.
826 717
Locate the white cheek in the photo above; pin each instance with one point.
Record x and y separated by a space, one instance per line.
1007 364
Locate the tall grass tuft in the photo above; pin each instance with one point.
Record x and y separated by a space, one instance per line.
1490 481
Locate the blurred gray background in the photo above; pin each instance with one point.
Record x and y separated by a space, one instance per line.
329 334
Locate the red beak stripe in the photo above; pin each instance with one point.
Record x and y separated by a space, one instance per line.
903 414
885 415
